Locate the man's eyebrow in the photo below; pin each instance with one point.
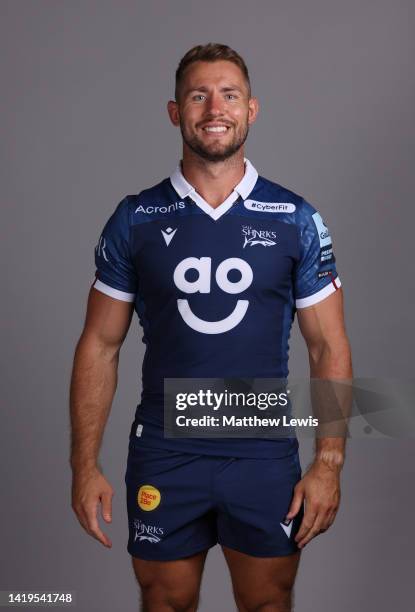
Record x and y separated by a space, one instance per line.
232 88
204 89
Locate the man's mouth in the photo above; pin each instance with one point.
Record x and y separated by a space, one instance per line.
215 129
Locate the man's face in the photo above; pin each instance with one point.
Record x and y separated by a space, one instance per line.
214 110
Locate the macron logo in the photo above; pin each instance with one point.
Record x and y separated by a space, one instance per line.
287 528
168 234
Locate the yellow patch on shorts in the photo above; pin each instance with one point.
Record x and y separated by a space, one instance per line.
148 497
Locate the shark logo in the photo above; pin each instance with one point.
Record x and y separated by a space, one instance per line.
252 242
141 537
253 237
147 532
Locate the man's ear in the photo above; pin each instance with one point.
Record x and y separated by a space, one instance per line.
173 110
253 110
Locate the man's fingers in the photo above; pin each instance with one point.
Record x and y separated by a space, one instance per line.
99 535
89 491
106 506
331 518
310 535
320 525
296 503
306 524
81 517
87 516
313 529
93 527
328 519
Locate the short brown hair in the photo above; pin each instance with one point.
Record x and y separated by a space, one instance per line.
211 52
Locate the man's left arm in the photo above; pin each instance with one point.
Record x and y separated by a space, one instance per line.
322 326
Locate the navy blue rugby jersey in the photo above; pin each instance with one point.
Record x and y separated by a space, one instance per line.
215 290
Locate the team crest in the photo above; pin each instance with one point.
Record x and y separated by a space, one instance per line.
252 237
149 533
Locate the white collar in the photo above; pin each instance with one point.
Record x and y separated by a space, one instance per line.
243 189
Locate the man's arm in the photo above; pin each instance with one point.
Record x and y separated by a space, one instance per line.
322 326
93 385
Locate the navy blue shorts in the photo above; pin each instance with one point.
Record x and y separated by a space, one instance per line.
180 504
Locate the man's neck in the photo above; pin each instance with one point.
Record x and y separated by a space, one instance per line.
214 181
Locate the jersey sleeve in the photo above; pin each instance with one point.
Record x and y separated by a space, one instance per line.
115 273
316 275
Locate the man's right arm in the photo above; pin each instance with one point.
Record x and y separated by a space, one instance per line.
93 385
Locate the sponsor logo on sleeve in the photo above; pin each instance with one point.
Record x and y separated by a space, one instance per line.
322 230
271 207
327 255
324 274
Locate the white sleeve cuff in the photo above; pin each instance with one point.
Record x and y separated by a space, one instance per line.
114 293
320 295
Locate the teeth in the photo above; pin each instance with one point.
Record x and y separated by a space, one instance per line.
220 128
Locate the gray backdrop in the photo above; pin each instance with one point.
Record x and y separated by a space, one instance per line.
84 90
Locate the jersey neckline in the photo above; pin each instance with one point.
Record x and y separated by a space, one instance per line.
243 188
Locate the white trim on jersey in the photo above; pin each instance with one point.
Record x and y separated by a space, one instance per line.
243 189
320 295
114 293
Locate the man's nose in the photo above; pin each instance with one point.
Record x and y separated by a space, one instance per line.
215 104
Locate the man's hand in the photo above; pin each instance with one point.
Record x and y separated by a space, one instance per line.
320 489
89 490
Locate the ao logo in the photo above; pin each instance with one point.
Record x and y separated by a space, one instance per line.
203 266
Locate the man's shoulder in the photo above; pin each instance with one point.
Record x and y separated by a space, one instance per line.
160 192
149 203
271 196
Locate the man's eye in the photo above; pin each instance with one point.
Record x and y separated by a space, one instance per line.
231 96
198 97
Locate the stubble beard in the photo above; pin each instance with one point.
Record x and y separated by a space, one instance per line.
209 153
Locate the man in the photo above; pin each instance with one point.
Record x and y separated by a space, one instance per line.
215 260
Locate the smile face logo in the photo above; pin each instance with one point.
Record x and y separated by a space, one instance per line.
203 267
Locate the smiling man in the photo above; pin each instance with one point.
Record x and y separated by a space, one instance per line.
215 260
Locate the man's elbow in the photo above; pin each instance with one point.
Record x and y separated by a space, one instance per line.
95 347
331 357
